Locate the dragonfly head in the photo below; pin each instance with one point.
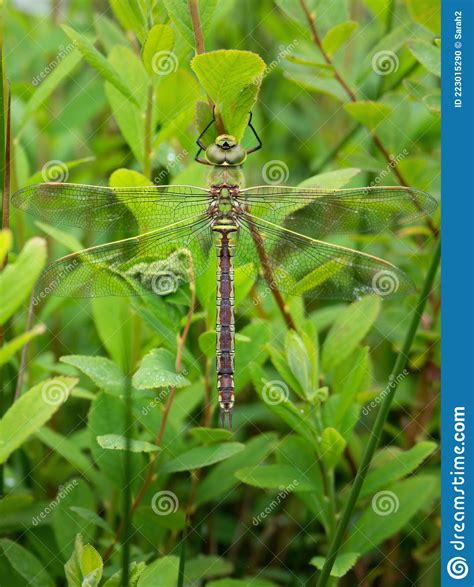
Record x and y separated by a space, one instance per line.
225 150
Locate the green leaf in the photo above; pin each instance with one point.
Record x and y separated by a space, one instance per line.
203 456
234 99
210 435
207 567
135 571
350 326
400 503
103 372
283 477
399 466
338 36
162 572
331 179
72 567
427 13
368 113
6 241
428 55
25 564
62 237
91 516
332 446
157 369
158 44
47 86
342 565
118 442
112 317
31 411
129 17
180 15
91 566
72 454
299 361
99 62
17 279
221 479
14 345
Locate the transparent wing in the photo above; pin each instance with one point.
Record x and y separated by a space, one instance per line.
297 264
100 208
157 263
316 212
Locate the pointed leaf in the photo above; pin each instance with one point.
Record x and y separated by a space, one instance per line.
158 45
118 442
157 369
338 36
342 565
368 113
203 456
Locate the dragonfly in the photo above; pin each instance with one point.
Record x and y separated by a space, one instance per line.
270 231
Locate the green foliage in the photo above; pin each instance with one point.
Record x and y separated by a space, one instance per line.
123 102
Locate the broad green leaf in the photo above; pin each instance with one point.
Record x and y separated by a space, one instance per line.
234 99
299 361
113 321
17 279
221 479
92 517
25 564
99 63
62 237
428 55
103 372
176 95
338 36
162 572
400 466
6 241
31 411
129 115
180 15
158 46
14 345
135 571
368 113
207 567
350 326
72 567
210 435
330 179
118 442
157 369
427 13
203 456
342 565
390 512
332 446
130 17
47 86
282 477
72 454
91 566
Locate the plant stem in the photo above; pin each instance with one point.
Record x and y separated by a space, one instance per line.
147 141
198 38
400 364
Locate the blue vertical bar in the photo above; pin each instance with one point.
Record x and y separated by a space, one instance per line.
457 522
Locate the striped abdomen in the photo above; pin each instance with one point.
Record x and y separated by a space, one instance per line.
225 321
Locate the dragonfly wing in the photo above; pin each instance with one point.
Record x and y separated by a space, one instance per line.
297 264
130 209
157 263
317 212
